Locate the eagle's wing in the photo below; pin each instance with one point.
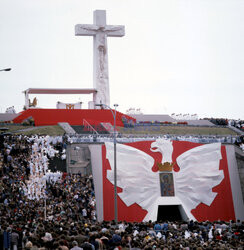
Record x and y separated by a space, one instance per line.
199 173
134 175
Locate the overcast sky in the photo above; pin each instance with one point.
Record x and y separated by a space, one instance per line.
176 56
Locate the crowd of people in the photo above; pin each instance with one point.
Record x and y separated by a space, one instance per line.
218 121
31 195
239 124
40 209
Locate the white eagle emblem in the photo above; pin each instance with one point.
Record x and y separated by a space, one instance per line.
199 173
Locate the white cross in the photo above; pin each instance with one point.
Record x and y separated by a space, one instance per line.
99 30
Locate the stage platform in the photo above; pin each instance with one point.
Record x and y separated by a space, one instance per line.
45 117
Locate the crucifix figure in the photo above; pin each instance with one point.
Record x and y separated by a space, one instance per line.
100 31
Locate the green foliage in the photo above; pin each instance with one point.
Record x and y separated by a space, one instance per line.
177 130
30 130
47 130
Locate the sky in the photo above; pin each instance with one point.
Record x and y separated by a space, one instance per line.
184 56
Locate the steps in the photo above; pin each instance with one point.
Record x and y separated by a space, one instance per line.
238 131
80 129
66 127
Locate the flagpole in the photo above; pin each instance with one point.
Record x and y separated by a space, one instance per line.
115 161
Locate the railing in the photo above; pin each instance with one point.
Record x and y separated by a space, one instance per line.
132 138
87 125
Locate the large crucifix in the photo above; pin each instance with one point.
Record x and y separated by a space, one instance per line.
100 31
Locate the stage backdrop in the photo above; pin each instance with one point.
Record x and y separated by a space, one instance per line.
164 172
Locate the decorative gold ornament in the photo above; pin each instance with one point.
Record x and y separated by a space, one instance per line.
70 106
166 167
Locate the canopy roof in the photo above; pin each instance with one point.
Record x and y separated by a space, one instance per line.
59 91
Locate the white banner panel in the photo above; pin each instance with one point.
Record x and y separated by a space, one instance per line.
61 105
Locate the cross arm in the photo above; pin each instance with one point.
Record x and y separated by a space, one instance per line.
115 30
86 29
